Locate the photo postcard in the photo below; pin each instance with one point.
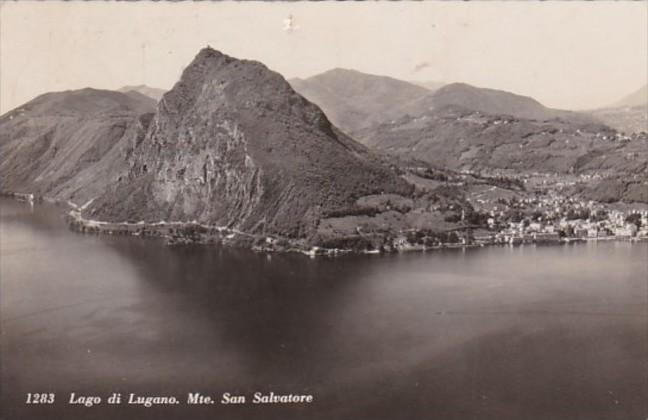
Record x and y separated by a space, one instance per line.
324 210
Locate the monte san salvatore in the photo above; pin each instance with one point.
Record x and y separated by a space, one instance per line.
233 145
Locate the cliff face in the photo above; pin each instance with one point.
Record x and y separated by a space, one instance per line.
232 144
70 145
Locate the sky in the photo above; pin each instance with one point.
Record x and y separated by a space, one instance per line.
571 55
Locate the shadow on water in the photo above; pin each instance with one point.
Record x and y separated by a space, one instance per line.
273 311
47 218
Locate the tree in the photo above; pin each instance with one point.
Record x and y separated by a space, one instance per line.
536 215
453 218
600 215
634 218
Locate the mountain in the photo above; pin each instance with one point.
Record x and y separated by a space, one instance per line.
232 144
616 189
628 115
637 98
626 119
462 127
153 93
140 97
355 100
70 145
490 101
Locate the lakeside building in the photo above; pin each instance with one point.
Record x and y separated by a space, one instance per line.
546 238
629 230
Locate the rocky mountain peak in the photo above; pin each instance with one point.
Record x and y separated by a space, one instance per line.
214 80
233 144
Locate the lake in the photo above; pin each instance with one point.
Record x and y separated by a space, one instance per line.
530 332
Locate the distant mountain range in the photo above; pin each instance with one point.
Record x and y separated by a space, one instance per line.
153 93
495 102
356 101
629 115
463 139
625 119
460 126
234 145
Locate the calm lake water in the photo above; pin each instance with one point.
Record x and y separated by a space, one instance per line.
547 333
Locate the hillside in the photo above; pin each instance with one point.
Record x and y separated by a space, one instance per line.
355 100
636 98
70 145
626 119
232 144
463 139
490 101
628 115
358 101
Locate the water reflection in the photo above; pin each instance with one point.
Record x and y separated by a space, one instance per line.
494 333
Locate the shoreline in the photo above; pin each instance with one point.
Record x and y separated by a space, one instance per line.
195 233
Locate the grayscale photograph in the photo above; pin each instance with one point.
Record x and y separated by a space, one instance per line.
297 210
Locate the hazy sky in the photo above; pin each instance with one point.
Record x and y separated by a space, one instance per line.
565 54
